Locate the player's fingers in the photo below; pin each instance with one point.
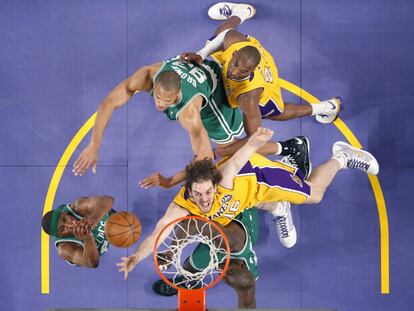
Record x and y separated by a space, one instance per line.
146 179
149 182
183 57
77 161
120 270
86 230
76 165
148 185
84 167
94 168
143 183
80 167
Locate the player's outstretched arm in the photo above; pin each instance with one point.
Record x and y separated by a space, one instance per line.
156 179
221 42
230 169
190 120
127 264
249 105
119 96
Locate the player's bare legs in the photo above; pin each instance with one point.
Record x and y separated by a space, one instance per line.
293 111
243 282
344 156
229 149
320 178
232 23
295 149
325 111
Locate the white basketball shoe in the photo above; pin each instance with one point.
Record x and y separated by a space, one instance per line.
284 224
351 157
224 10
334 106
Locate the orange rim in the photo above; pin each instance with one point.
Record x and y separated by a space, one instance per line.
226 242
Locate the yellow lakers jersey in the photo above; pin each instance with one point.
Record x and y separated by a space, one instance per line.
264 76
249 188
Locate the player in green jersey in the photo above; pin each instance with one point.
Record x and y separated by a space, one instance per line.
78 229
192 95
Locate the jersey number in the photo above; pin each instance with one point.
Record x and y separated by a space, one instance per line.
267 75
198 74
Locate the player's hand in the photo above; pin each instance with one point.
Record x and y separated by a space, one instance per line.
190 57
87 222
82 232
127 264
155 179
260 137
88 157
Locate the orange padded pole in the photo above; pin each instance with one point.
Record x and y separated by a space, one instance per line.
192 299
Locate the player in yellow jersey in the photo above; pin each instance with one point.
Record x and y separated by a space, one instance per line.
246 180
250 74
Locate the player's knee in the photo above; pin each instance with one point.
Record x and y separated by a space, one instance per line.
316 197
239 277
236 237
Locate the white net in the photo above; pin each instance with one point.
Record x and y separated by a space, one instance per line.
171 253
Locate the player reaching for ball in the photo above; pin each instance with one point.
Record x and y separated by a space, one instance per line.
246 180
78 228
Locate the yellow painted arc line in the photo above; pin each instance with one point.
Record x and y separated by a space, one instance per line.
382 211
50 197
376 187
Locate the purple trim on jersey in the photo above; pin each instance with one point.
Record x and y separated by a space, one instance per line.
246 169
277 177
186 195
270 109
251 76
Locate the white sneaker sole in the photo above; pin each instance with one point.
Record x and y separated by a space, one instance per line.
214 11
332 118
291 241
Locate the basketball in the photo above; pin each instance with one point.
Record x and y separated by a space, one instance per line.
123 229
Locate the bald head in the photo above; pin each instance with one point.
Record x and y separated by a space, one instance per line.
168 81
250 56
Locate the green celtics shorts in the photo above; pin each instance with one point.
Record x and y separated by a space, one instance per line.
200 257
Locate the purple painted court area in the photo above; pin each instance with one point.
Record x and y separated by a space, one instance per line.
58 60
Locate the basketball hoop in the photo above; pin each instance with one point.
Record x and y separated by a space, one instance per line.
191 286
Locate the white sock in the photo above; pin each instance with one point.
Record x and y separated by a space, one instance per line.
279 149
279 209
341 160
320 107
240 13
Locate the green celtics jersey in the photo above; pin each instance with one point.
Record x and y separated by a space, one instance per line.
249 221
222 123
98 232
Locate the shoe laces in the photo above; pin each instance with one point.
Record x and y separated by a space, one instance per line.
225 11
282 224
358 164
290 160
